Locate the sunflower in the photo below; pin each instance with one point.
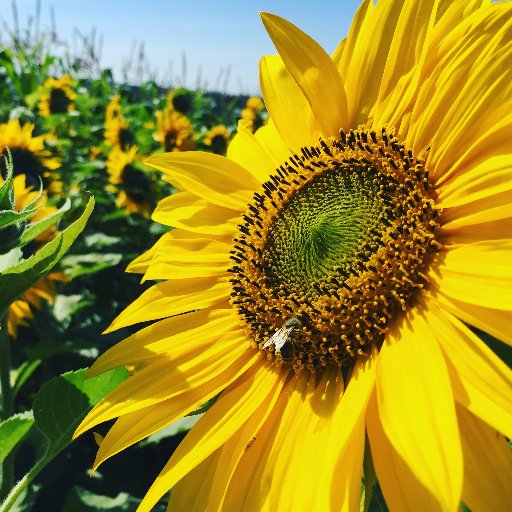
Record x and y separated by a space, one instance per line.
325 280
133 186
253 113
29 154
21 310
57 96
116 131
217 138
173 130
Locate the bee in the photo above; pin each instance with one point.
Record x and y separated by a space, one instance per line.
281 339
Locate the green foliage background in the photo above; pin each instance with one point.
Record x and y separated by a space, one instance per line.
44 363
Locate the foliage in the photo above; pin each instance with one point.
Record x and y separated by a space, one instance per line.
71 139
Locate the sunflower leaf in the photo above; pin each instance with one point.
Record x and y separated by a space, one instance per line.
62 403
16 280
13 430
36 228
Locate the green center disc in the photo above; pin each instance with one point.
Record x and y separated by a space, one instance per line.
320 229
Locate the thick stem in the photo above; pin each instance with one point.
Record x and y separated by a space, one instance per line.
7 402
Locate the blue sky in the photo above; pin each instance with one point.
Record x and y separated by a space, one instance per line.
213 34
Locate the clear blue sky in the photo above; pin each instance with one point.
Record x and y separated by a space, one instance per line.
213 34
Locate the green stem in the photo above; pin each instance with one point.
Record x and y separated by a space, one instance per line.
16 491
7 402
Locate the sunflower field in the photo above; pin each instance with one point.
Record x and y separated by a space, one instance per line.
323 318
76 200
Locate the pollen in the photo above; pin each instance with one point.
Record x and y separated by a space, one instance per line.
333 249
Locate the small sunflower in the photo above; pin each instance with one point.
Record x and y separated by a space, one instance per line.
117 134
21 310
253 113
57 96
173 130
321 279
217 138
29 154
133 186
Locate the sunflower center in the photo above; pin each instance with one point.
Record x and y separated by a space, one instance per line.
334 249
59 102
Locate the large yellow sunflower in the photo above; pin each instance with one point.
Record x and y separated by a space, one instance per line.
323 281
29 154
57 96
21 310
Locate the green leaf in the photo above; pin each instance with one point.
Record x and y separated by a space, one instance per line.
24 371
7 189
177 427
369 478
63 402
85 264
13 430
34 229
82 500
16 280
10 217
10 258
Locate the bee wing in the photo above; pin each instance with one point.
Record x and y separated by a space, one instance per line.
279 338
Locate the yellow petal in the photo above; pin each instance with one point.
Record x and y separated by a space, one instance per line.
191 493
245 150
478 273
186 211
273 143
474 216
254 486
235 406
314 72
236 447
493 321
481 381
173 298
140 264
365 56
178 335
401 488
185 255
166 378
287 105
345 48
464 94
487 465
211 177
132 427
473 228
485 174
417 411
407 53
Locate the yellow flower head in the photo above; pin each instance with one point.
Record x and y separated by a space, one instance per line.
30 156
255 104
116 132
133 186
57 96
253 112
21 310
320 280
217 138
173 130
